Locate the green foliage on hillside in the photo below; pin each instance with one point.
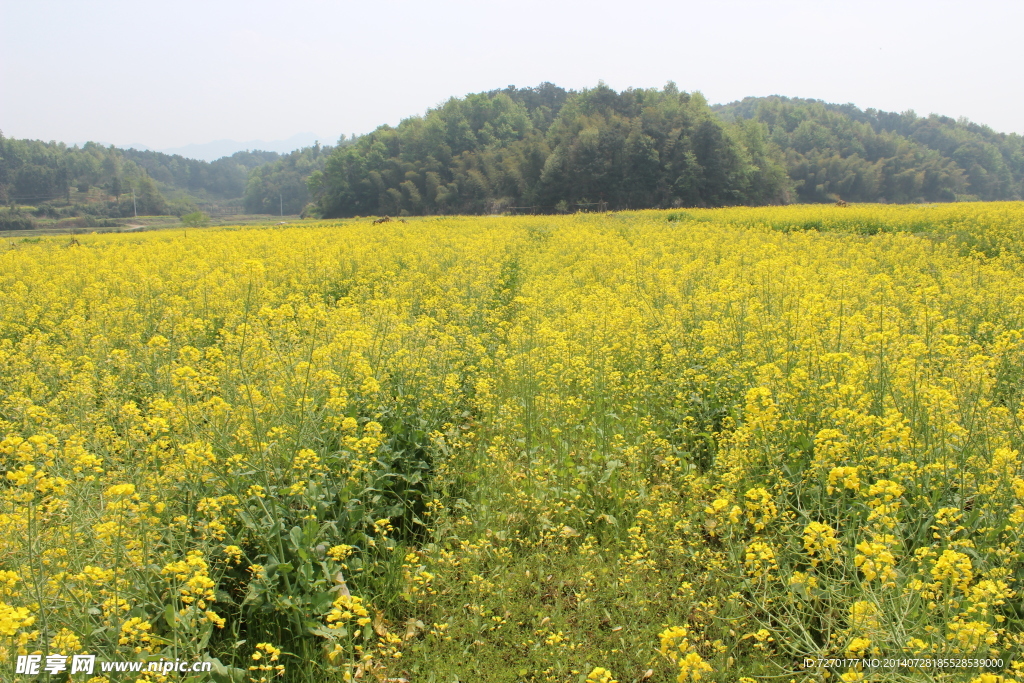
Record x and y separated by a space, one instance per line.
545 149
835 151
32 171
61 180
224 178
281 186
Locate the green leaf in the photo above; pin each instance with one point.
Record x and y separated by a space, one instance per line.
323 631
170 615
225 674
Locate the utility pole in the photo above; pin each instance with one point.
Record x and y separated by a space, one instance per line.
281 198
134 205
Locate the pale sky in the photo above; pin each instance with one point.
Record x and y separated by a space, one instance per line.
166 74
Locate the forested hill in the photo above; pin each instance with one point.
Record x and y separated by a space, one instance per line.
842 151
546 149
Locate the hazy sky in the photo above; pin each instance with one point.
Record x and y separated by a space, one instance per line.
165 74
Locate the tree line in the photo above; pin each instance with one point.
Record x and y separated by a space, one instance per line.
547 149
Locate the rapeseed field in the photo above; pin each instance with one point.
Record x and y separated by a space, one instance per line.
701 445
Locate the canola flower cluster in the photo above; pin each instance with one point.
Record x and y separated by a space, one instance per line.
690 445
